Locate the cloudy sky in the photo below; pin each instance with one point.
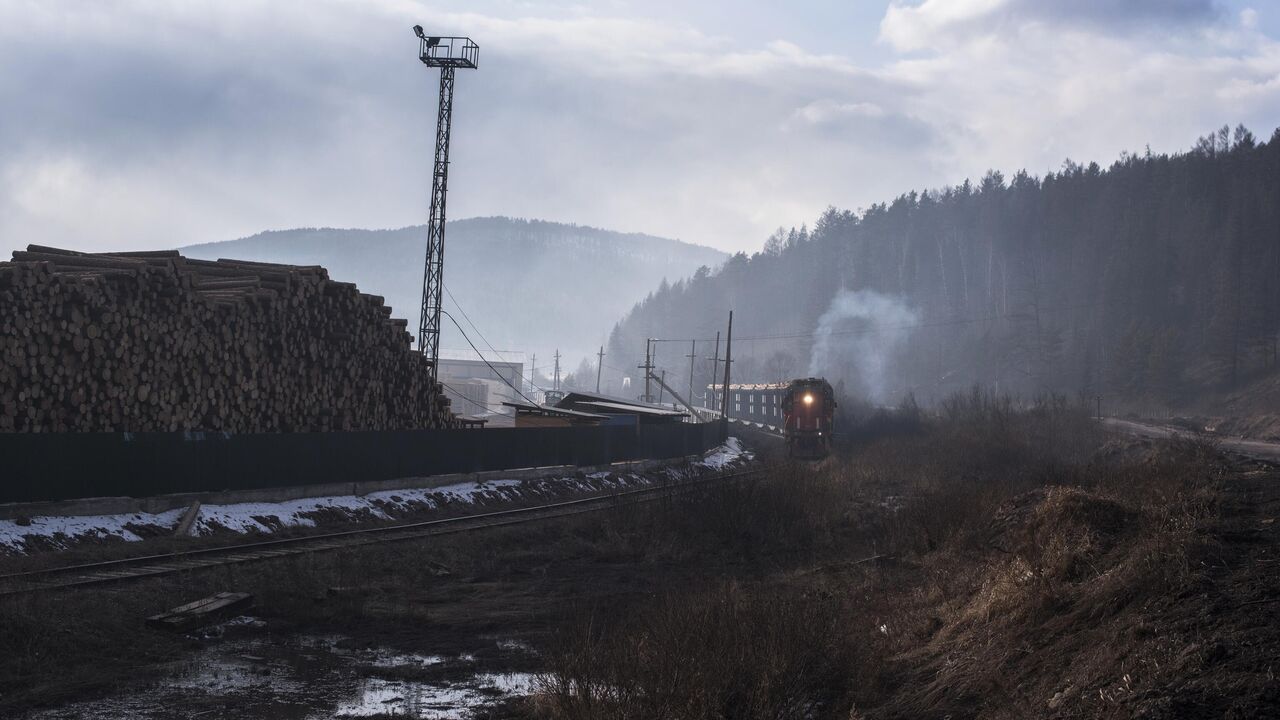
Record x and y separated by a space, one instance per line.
146 124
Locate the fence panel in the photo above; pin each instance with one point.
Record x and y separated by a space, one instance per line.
61 466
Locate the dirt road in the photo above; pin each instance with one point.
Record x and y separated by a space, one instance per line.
1257 449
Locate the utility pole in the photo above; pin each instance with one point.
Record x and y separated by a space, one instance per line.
728 359
557 381
715 370
448 54
533 368
599 366
693 349
653 364
662 385
648 369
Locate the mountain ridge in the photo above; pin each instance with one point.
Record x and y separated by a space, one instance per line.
1152 284
530 285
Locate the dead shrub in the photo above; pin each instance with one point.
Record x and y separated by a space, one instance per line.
794 508
1000 530
1066 532
859 423
724 652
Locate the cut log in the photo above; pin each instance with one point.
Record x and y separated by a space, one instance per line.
152 341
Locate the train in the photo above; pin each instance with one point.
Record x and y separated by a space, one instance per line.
802 410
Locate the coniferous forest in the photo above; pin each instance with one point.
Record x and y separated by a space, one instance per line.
1154 282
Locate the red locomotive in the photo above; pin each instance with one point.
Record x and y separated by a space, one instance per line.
808 411
802 411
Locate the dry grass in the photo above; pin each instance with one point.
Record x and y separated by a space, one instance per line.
1012 555
724 651
1017 563
1071 570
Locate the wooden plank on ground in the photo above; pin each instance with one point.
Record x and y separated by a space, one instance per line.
188 519
204 611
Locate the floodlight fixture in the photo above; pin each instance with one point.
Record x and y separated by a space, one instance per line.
446 52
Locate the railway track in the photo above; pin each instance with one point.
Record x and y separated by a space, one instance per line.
127 569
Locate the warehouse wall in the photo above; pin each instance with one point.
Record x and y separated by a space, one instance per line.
62 466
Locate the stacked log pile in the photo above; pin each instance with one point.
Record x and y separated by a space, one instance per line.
153 341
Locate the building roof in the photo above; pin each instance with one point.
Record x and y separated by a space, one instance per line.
577 397
750 386
632 409
553 411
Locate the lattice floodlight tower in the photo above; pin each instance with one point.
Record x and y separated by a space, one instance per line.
448 54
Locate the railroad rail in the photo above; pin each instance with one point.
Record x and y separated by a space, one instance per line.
150 566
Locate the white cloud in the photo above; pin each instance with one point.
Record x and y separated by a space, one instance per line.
611 121
934 24
150 124
825 111
1031 95
913 27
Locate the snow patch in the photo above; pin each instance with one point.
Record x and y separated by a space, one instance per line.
88 527
727 454
307 512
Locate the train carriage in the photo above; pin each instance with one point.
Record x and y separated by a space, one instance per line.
755 403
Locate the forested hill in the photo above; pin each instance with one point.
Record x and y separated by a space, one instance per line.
529 285
1152 281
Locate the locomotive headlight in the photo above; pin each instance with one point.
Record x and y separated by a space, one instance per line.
808 399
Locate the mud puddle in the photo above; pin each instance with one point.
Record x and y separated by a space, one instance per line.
322 678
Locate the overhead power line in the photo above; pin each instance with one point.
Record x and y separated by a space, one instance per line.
486 362
483 406
472 323
476 328
873 330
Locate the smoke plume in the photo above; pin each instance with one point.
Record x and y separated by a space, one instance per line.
858 338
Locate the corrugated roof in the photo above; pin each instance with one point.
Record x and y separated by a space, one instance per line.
549 410
629 408
578 397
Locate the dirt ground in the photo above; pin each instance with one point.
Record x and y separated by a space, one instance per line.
1120 625
917 577
1008 567
478 598
1257 426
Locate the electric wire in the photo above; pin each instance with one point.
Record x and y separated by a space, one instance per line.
872 330
471 322
482 357
484 406
475 327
